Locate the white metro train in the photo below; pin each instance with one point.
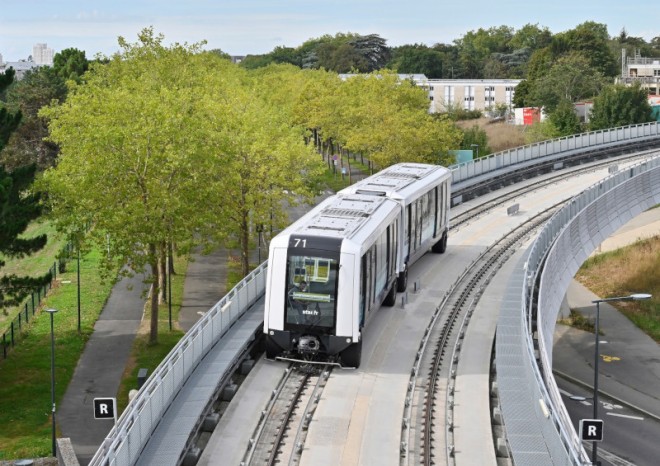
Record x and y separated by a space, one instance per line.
333 268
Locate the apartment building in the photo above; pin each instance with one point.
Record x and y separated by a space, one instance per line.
42 55
467 94
645 71
470 94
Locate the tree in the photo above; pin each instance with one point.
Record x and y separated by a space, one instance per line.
168 146
6 79
475 136
591 40
532 37
18 206
70 64
565 120
619 105
417 58
130 167
27 144
570 79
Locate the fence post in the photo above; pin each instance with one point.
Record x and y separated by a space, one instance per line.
32 296
4 345
19 321
27 319
12 334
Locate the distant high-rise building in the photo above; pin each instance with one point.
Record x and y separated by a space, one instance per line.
1 62
42 55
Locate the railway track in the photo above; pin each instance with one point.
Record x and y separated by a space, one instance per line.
280 435
427 434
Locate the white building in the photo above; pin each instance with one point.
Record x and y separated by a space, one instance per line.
645 71
42 55
470 94
466 94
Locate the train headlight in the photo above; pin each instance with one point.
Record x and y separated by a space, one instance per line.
348 340
271 333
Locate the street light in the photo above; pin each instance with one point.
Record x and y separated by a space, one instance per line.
632 297
52 372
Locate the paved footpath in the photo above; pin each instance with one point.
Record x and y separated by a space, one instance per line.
100 368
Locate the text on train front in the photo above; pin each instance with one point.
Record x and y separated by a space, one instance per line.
311 297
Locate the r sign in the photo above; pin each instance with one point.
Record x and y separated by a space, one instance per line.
591 430
105 408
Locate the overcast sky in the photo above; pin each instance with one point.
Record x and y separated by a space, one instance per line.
241 27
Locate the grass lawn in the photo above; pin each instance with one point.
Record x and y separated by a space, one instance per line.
632 269
25 375
35 265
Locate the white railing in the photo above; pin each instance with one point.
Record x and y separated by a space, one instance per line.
534 152
128 437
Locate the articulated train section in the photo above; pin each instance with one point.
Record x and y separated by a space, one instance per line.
440 354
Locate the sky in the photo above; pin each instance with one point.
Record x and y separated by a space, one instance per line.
242 27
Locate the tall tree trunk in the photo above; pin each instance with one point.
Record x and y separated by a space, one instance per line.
245 244
162 260
153 334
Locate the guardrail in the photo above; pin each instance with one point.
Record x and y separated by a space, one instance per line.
530 153
555 256
138 421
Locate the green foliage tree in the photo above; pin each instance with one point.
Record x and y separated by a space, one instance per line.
70 63
565 120
8 123
6 79
168 146
27 144
591 40
532 37
571 78
18 206
129 165
619 105
476 139
475 47
380 116
417 58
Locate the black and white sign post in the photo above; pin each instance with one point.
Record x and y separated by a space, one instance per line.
591 430
105 408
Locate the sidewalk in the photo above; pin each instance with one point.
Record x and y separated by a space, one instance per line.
100 368
629 365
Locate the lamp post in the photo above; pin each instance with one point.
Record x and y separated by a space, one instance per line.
52 373
632 297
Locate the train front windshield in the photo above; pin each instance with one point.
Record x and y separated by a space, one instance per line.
311 291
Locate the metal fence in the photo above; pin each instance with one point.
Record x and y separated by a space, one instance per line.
530 154
14 332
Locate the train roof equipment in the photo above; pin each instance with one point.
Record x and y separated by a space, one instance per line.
400 181
343 217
